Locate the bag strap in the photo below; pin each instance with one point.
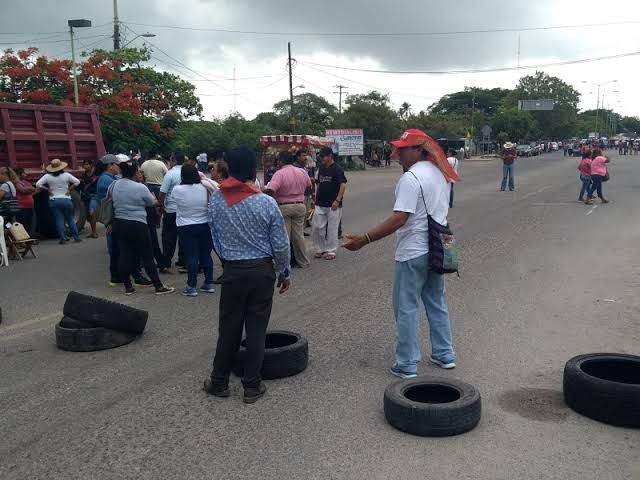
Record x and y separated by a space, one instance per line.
421 192
110 190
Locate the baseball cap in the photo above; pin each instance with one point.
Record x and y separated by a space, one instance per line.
110 158
411 138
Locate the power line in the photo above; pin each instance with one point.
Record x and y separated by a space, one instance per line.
388 34
475 70
52 33
65 40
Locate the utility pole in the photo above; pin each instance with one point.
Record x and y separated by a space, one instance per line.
292 120
597 110
116 26
234 91
339 92
75 68
518 50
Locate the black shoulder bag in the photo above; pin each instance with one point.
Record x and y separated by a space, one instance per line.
443 251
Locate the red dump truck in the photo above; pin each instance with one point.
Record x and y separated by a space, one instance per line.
32 135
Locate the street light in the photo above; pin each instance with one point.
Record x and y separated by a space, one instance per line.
79 23
298 86
598 100
145 35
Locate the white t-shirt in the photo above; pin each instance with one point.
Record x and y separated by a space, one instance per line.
191 204
412 239
58 186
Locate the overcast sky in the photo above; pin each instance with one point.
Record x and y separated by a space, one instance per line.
210 55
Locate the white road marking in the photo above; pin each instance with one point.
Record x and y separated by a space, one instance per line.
592 209
530 194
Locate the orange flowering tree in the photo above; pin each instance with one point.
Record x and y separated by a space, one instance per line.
134 99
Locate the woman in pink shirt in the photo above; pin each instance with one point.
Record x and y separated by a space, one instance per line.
585 175
598 174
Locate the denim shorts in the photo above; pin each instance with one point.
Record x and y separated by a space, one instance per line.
92 205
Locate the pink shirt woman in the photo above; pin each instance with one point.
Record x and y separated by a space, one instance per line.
585 167
598 166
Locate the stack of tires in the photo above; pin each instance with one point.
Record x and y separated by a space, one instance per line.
92 323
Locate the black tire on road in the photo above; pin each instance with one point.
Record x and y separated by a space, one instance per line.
432 406
104 313
286 354
68 322
604 387
90 339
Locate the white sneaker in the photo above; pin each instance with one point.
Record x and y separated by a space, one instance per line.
447 366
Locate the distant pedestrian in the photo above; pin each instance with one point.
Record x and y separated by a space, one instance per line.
87 190
422 195
168 209
192 220
59 184
249 236
585 176
288 186
455 164
565 148
331 186
24 196
130 200
508 158
598 175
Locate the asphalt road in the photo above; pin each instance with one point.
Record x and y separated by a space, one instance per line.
543 278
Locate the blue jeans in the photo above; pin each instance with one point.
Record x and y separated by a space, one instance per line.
586 182
62 209
596 185
414 282
507 171
197 245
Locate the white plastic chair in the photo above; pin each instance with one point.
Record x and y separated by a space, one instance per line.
4 255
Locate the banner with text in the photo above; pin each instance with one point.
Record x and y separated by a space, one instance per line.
349 141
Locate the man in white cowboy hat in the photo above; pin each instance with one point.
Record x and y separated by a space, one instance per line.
508 157
59 184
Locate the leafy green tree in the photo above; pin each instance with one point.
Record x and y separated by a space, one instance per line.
519 126
558 123
485 100
630 124
313 113
373 113
439 125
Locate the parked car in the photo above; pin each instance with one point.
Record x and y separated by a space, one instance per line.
523 150
535 149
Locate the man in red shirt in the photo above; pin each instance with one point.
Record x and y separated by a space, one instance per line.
24 196
288 186
508 157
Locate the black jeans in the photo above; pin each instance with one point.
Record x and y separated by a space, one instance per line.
134 243
153 234
245 301
169 240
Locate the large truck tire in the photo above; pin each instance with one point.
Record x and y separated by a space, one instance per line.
286 354
45 224
432 406
90 339
604 387
104 313
79 210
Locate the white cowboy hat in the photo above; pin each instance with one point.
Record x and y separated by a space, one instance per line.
509 145
56 165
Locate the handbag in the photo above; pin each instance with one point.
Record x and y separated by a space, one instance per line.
606 176
9 206
104 209
443 250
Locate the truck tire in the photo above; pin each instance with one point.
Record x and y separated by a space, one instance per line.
68 322
104 313
90 339
604 387
432 406
45 224
79 210
286 354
